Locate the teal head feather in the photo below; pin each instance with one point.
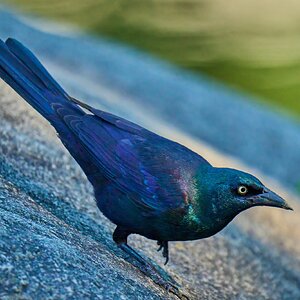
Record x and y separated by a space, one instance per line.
223 193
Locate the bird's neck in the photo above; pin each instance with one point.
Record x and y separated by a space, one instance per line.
204 224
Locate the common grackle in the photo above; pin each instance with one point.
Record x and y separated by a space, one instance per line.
143 183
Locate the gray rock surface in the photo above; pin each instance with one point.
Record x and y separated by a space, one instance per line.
55 244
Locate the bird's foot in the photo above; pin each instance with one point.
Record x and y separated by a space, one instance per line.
164 246
160 277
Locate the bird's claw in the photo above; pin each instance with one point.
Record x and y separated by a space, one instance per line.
164 245
162 279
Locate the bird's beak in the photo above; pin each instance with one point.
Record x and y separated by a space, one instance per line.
269 198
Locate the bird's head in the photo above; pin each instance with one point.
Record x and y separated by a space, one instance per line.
231 191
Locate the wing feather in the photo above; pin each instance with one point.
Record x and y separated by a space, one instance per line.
146 167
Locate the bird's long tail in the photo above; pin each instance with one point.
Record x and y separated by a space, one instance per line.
27 76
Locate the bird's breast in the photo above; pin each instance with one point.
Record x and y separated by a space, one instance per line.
181 225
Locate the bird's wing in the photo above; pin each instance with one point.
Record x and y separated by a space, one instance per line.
149 169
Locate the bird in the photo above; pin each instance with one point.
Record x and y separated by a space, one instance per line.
143 183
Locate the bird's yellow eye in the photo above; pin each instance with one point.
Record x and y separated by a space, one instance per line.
242 190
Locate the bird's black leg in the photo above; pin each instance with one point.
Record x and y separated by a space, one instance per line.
120 237
164 245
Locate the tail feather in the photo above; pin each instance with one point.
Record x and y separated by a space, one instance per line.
33 64
23 81
26 75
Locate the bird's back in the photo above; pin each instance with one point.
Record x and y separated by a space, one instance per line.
146 174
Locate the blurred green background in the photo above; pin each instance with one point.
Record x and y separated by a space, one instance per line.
253 46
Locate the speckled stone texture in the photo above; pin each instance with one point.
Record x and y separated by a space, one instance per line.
55 244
